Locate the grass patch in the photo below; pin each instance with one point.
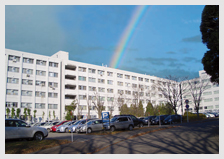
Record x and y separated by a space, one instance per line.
25 147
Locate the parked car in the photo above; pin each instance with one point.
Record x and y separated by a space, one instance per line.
53 128
146 119
90 126
73 127
18 129
49 125
119 122
137 122
40 124
64 127
172 119
159 118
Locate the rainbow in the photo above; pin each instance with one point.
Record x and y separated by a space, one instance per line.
126 36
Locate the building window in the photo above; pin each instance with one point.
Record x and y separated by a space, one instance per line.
40 83
91 79
26 93
12 92
110 82
216 106
152 81
28 60
207 93
39 105
119 83
53 84
120 91
53 74
134 78
27 82
12 80
82 69
82 87
101 81
110 108
216 99
146 80
109 90
110 74
216 92
127 92
82 78
52 95
119 75
134 85
100 89
141 93
100 72
92 98
28 71
52 106
92 70
140 79
26 105
102 98
127 84
146 87
127 76
207 87
41 62
82 97
53 64
208 100
14 58
40 73
92 88
82 107
11 104
13 69
39 94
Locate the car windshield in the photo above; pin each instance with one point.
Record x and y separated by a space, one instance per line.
113 119
77 122
65 123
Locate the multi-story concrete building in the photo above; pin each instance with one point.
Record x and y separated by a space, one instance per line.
48 84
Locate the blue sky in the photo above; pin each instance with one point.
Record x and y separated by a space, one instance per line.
167 40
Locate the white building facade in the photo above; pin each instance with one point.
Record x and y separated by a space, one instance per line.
48 83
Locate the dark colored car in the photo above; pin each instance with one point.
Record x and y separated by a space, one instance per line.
137 122
148 118
155 121
172 119
53 128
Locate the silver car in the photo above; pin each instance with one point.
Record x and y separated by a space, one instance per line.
92 125
64 127
120 122
73 127
18 129
49 125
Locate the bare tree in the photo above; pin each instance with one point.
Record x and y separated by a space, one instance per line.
112 103
170 89
196 88
98 103
88 103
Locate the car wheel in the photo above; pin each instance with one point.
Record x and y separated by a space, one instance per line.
66 130
130 127
141 125
38 136
89 130
112 128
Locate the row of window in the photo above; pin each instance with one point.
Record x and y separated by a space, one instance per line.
30 82
31 61
29 93
29 105
119 75
30 71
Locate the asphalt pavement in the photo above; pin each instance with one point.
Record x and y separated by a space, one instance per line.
187 138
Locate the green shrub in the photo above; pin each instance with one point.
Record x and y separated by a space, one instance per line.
192 116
